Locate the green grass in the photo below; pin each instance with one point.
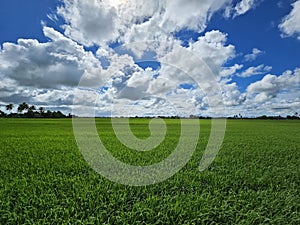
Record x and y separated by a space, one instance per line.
254 179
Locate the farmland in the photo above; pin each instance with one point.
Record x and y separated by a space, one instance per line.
253 180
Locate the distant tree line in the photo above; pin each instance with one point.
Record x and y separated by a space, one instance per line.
26 111
296 116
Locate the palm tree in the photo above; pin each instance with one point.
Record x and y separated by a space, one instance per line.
30 111
23 107
31 108
42 110
9 107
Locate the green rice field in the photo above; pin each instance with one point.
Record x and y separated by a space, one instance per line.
255 178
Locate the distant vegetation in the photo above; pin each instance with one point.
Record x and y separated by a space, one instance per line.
27 111
296 116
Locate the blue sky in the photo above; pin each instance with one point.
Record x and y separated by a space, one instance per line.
259 29
22 19
251 46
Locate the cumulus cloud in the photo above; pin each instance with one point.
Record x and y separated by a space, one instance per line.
252 56
191 67
272 95
123 79
187 80
244 6
46 74
89 22
270 86
290 25
98 22
255 70
229 71
60 62
201 62
231 95
194 15
213 49
240 8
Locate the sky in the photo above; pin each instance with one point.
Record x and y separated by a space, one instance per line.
150 57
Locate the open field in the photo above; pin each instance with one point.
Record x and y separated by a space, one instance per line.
254 179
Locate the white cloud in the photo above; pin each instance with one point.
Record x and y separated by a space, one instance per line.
193 15
229 71
241 8
270 86
290 25
48 73
273 95
136 86
131 85
255 70
60 62
89 22
252 56
212 48
202 61
231 95
244 6
98 22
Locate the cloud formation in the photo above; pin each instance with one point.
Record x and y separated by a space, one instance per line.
59 62
255 70
244 6
252 56
290 25
97 22
240 8
270 86
127 33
